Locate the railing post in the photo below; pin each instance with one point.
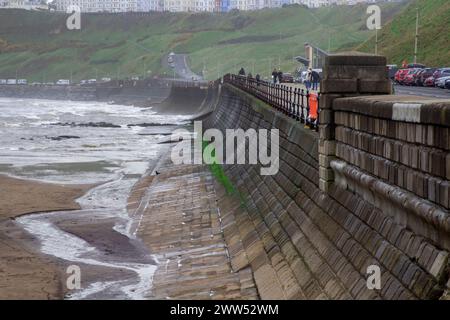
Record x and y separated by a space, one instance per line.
307 119
297 104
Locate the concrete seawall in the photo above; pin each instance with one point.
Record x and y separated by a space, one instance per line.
152 91
302 242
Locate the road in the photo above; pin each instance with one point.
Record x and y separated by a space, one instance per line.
437 93
423 91
181 67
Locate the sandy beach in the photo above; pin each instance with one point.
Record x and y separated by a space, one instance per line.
24 274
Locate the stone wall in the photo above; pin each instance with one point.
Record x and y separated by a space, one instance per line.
304 239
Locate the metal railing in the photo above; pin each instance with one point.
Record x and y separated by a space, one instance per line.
297 103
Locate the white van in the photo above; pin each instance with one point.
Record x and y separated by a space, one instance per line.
63 82
11 81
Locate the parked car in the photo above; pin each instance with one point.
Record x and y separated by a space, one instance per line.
440 82
92 81
416 66
302 77
106 79
11 81
63 82
3 81
442 72
423 75
287 78
447 84
410 77
400 75
429 82
22 81
392 70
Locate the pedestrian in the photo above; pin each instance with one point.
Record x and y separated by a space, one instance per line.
308 79
315 78
258 79
250 76
242 72
280 76
274 76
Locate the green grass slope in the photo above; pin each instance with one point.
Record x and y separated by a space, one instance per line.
37 46
397 38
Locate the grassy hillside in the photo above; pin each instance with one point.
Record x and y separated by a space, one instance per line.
397 38
37 45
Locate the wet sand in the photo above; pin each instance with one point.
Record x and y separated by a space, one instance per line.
24 274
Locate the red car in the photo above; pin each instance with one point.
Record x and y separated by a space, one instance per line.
411 77
400 75
429 82
424 75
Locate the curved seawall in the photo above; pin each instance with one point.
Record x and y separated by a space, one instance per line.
304 243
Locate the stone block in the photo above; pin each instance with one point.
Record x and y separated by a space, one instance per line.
327 147
326 131
326 174
324 160
324 185
326 100
356 72
355 59
374 86
444 194
339 86
326 116
447 166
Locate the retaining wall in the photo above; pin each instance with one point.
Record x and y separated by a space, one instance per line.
305 241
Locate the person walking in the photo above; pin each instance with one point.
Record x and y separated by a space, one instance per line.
274 76
258 78
308 79
315 78
280 76
242 72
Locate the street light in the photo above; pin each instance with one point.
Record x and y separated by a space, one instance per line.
417 35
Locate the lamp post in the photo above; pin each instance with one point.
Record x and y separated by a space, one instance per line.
417 35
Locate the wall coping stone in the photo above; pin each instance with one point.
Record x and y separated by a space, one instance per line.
398 108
